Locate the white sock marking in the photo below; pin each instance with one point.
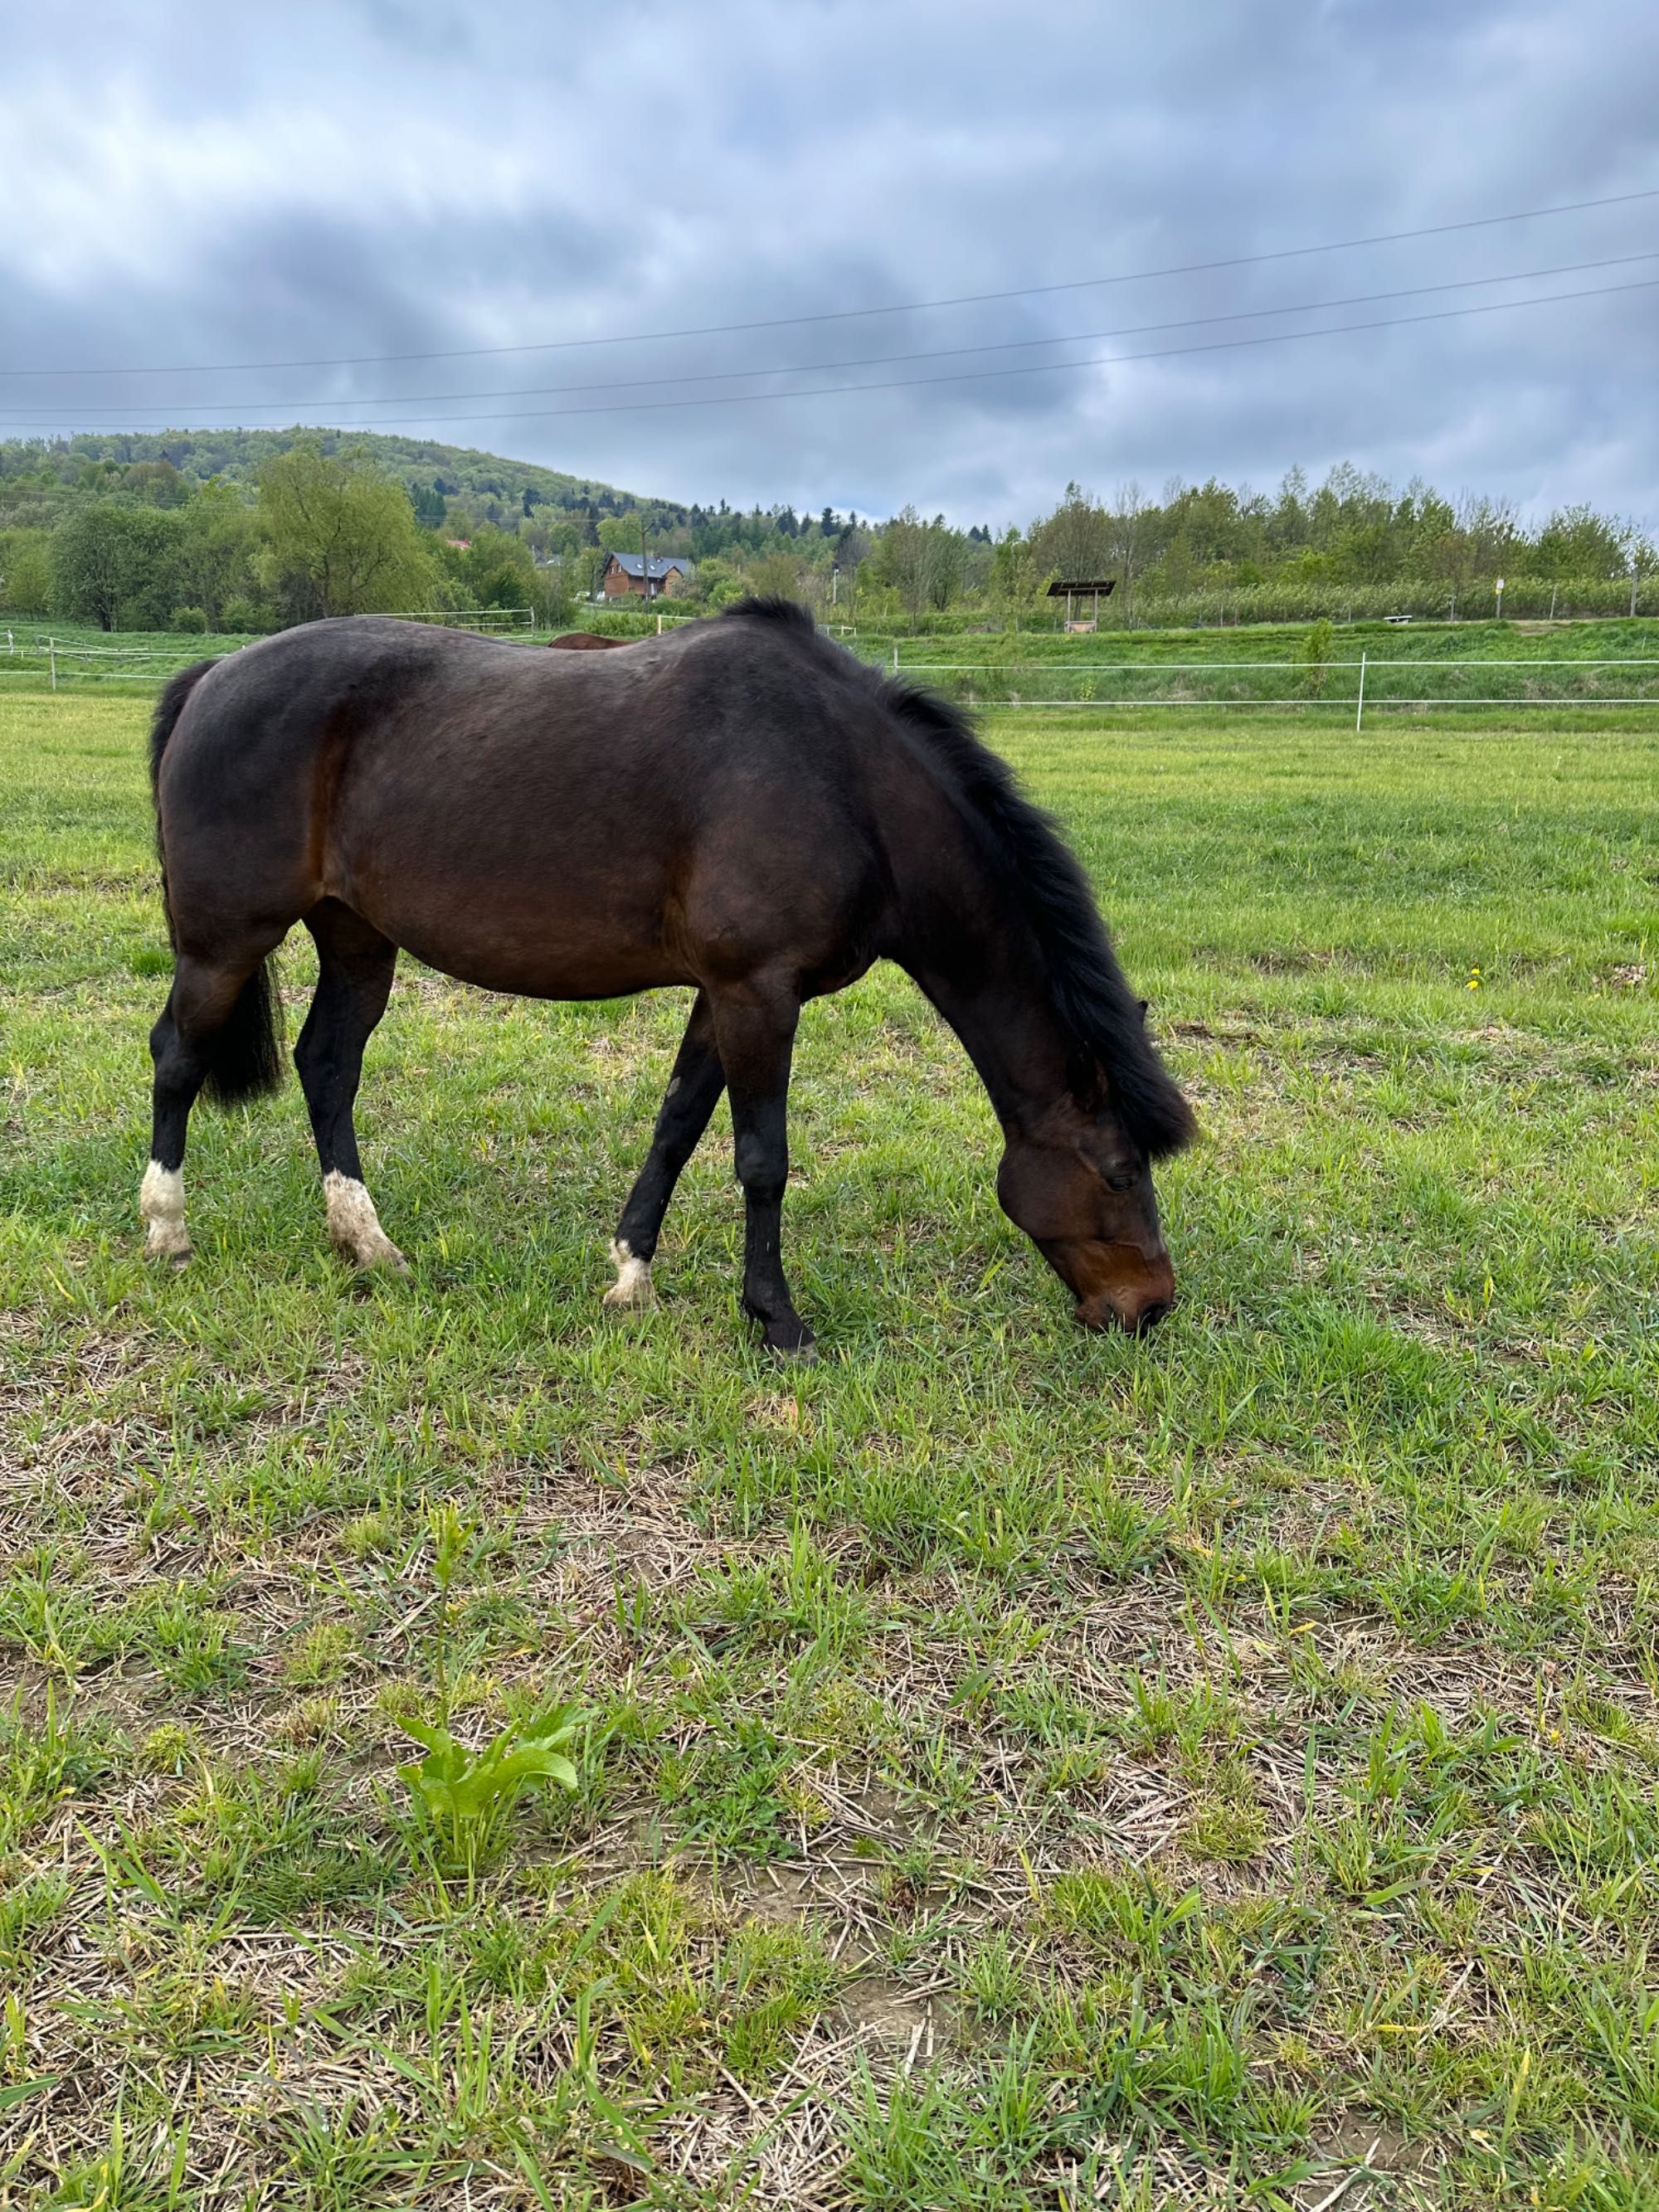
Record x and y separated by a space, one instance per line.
353 1225
161 1209
632 1285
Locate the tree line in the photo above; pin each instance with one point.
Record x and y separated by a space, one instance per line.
116 531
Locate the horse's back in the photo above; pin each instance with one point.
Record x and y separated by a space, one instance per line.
561 825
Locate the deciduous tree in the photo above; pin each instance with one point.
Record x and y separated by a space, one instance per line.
1075 540
922 561
342 537
219 540
26 571
112 563
1013 578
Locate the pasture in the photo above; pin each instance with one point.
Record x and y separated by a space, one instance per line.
1018 1769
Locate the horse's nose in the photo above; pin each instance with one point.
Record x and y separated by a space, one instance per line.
1113 1313
1151 1314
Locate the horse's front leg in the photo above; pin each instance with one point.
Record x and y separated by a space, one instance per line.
694 1091
755 1031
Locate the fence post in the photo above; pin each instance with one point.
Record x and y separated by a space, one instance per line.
51 655
896 658
1359 708
659 625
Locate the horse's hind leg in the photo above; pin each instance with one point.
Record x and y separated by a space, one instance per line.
694 1091
205 1013
355 966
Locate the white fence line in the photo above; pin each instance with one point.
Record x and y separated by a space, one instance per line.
1371 688
1339 699
85 664
1179 667
142 663
468 617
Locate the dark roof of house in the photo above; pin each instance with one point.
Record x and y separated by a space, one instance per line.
631 565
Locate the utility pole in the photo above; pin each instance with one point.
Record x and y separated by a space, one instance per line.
1633 576
645 560
1499 616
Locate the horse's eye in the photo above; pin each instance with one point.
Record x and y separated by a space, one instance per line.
1122 1179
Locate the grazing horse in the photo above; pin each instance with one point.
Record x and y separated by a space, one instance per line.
743 807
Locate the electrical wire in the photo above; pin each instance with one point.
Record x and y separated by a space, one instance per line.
869 360
849 314
1031 368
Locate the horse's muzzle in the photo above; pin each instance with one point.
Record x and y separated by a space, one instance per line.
1138 1321
1135 1304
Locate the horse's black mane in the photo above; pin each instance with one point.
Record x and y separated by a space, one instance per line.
1090 995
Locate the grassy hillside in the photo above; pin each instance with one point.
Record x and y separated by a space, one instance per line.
423 463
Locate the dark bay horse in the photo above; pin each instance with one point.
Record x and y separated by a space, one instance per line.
742 807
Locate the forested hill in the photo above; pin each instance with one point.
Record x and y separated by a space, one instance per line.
431 472
133 530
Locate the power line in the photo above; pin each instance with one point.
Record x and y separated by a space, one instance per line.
1035 369
850 314
869 360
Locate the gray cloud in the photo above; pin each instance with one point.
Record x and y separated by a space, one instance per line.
186 184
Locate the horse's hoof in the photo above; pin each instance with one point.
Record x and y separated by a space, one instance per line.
161 1210
633 1286
354 1227
802 1353
366 1258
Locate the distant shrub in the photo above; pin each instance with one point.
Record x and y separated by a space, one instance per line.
26 571
242 618
1315 651
189 619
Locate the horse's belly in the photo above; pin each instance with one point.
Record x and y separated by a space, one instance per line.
534 971
556 924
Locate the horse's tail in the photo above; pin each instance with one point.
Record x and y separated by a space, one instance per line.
168 707
247 1050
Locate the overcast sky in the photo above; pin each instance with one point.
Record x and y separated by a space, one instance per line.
186 184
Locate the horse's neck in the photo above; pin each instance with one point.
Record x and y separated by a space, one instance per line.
979 966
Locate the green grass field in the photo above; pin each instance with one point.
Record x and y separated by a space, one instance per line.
1017 1769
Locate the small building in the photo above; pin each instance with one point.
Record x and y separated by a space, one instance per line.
626 575
1101 587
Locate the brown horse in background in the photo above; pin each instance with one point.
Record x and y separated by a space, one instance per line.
742 807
